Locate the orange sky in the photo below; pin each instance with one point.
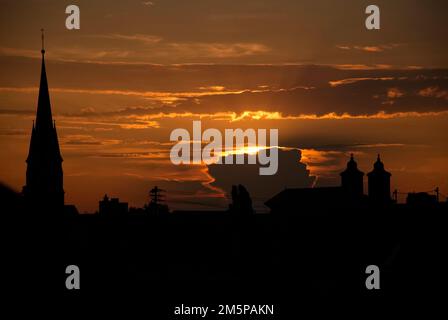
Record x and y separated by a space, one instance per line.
137 70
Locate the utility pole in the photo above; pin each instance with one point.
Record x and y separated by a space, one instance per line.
156 197
395 193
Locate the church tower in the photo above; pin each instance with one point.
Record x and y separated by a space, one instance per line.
352 179
379 184
44 177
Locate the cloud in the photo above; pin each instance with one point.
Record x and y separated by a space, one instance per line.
255 92
131 120
140 48
433 92
13 132
14 112
335 83
330 116
324 164
143 38
370 48
69 54
123 123
363 66
154 154
165 97
213 88
291 173
87 140
394 93
152 48
379 145
161 96
219 50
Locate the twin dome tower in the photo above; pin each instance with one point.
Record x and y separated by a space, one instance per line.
378 181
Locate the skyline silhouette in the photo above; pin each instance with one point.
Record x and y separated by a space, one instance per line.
362 154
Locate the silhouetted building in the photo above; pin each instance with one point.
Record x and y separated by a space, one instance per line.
70 210
133 211
297 200
421 199
112 207
44 177
349 194
241 201
352 180
10 200
379 184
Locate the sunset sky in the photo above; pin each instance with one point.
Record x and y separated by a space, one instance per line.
136 70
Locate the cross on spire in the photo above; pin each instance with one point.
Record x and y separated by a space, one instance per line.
43 47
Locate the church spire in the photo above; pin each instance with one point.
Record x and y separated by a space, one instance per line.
44 176
44 120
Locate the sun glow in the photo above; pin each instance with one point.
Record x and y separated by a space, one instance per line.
245 150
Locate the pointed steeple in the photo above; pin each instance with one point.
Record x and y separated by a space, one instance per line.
44 176
44 118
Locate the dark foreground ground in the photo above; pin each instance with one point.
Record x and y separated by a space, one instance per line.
293 261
